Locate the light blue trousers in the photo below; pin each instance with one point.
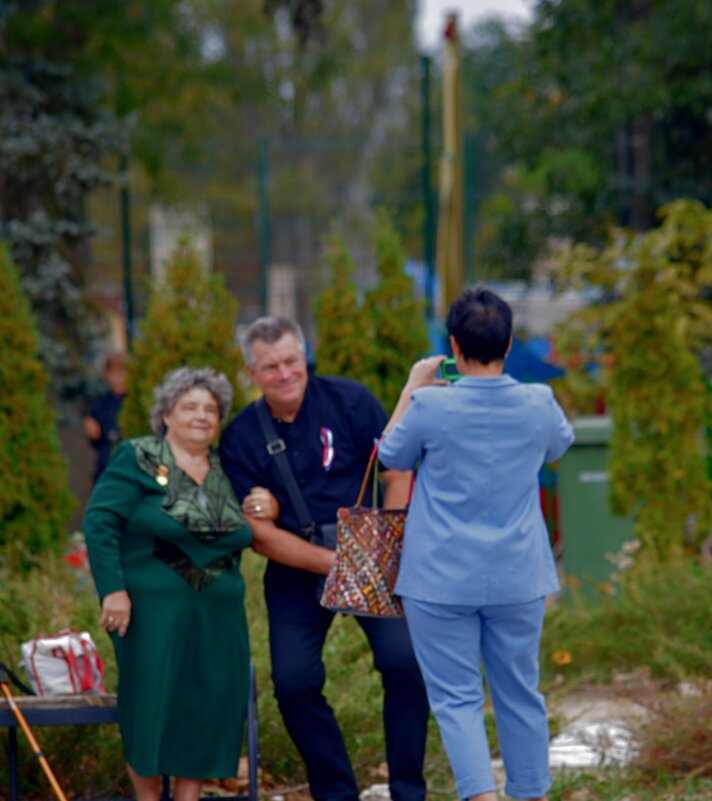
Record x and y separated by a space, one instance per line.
450 642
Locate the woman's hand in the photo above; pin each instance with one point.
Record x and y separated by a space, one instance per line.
116 612
424 373
260 503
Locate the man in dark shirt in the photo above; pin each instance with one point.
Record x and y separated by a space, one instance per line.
328 426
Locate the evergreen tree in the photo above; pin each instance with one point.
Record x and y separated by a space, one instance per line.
35 501
190 321
343 331
395 317
648 338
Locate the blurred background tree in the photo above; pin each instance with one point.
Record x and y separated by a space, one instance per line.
594 114
374 338
76 80
282 117
35 501
190 321
396 319
343 335
647 338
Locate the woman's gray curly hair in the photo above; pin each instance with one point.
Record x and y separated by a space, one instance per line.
178 382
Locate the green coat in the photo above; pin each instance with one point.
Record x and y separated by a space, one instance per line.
184 661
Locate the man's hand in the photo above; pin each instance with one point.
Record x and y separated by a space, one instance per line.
289 549
116 612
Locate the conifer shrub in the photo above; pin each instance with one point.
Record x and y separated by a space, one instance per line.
35 500
344 339
395 316
377 339
647 338
190 321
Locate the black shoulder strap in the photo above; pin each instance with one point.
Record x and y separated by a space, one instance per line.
277 450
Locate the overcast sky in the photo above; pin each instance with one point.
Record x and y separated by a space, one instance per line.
432 13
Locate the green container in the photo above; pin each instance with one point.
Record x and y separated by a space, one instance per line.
589 530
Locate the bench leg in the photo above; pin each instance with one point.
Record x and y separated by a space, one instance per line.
12 760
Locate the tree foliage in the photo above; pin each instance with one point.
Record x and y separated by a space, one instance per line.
395 318
35 502
54 140
343 328
648 337
190 321
377 340
81 84
596 113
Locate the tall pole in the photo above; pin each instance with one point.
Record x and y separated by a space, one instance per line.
427 185
124 203
265 233
450 244
469 207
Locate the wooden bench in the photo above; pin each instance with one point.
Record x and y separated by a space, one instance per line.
70 710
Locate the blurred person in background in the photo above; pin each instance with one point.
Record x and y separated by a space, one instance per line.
101 423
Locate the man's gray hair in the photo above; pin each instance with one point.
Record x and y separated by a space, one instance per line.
180 381
270 329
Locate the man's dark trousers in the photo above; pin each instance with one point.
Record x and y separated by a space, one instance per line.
298 675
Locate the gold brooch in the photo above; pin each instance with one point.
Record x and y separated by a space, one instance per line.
162 475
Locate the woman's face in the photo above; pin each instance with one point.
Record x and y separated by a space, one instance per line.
194 420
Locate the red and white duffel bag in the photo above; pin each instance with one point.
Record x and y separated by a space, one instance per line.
65 663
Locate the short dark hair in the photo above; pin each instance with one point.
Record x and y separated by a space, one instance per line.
270 329
481 324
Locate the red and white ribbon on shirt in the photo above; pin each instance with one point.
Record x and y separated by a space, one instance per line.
327 442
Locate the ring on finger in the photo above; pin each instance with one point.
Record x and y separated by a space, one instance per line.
258 508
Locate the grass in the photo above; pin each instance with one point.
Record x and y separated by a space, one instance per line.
657 624
659 619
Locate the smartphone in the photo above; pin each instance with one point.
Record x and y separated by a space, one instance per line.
448 370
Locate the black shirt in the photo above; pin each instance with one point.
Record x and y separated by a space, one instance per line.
105 410
328 446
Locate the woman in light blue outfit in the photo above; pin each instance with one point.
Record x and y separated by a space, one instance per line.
476 563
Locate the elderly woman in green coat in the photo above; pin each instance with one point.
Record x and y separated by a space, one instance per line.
165 535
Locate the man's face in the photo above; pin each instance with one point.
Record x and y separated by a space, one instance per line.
280 371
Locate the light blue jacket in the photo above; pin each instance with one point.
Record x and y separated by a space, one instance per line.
475 533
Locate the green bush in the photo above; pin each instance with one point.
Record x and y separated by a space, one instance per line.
396 319
190 321
647 337
35 501
377 340
657 619
344 339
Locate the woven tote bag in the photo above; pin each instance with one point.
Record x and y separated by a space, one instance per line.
368 549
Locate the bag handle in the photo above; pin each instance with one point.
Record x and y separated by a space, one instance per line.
373 462
362 491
